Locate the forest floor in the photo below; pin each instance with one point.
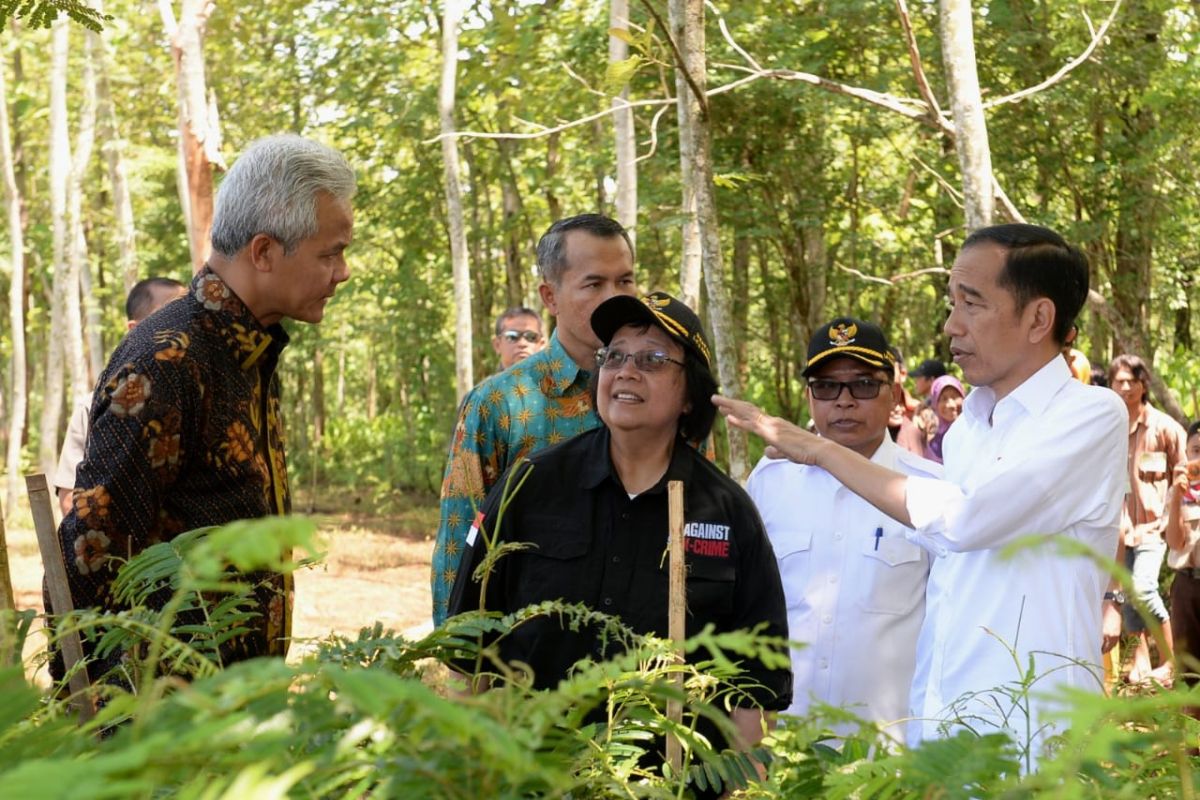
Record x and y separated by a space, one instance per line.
376 568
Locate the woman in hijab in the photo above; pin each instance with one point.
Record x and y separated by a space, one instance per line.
946 397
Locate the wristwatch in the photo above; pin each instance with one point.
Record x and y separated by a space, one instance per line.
1117 597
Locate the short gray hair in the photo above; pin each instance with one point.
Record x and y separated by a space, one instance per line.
273 188
552 247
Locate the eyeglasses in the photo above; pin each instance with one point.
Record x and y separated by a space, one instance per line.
860 388
512 336
644 360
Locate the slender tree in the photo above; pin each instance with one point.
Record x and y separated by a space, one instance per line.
112 146
77 255
691 53
60 166
16 304
199 129
464 373
697 132
966 103
626 144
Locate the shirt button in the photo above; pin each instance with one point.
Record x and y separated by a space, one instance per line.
833 578
824 663
828 618
837 535
624 515
608 601
616 559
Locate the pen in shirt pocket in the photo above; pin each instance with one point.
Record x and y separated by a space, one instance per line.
878 536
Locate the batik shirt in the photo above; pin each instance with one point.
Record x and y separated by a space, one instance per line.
185 433
537 402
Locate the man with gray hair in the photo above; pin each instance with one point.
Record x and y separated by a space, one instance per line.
186 429
583 261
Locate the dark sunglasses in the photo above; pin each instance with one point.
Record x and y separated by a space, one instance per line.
860 388
530 336
644 360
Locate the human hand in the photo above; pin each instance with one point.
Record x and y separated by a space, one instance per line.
784 440
1110 626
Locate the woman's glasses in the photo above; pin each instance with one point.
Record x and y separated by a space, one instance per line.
512 336
644 360
860 388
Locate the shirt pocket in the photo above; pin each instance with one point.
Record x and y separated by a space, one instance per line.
710 589
552 566
894 571
793 552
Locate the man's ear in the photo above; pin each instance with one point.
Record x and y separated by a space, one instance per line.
1040 315
496 345
262 252
897 393
546 292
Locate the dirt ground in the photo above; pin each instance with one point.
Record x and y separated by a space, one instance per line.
376 568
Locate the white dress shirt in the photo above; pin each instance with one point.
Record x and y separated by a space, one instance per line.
855 599
1046 461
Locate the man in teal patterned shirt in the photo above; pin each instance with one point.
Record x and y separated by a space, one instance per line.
543 400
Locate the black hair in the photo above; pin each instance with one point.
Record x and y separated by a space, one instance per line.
1193 429
143 297
516 311
1040 263
552 247
699 387
1136 367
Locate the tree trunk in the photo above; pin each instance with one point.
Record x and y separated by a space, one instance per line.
81 383
510 220
626 144
112 147
341 384
464 372
199 131
60 166
966 102
688 110
16 306
691 47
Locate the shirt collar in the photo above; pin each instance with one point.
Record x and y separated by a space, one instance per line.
249 342
562 371
885 454
1034 395
598 466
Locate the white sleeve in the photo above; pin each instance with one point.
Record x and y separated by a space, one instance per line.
1075 473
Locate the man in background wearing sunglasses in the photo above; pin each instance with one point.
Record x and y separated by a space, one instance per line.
543 400
518 335
855 584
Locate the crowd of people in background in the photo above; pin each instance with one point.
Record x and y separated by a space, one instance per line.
880 540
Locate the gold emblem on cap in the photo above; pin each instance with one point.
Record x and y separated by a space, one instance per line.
656 302
842 334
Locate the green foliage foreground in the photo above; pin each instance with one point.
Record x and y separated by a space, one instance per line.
369 716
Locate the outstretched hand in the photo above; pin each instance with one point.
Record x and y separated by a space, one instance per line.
784 440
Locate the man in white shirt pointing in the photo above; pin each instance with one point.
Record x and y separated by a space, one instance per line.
854 583
1034 454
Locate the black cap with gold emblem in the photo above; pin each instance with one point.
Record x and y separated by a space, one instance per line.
658 309
851 338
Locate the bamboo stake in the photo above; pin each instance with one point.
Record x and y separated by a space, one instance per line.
677 612
59 589
6 588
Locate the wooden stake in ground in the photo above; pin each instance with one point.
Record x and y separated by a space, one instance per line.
59 589
677 611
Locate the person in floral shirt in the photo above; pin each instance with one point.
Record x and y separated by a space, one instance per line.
583 261
185 423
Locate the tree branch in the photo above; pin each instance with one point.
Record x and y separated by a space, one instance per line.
892 281
1066 69
700 96
914 56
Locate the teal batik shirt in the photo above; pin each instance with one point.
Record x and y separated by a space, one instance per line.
535 403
